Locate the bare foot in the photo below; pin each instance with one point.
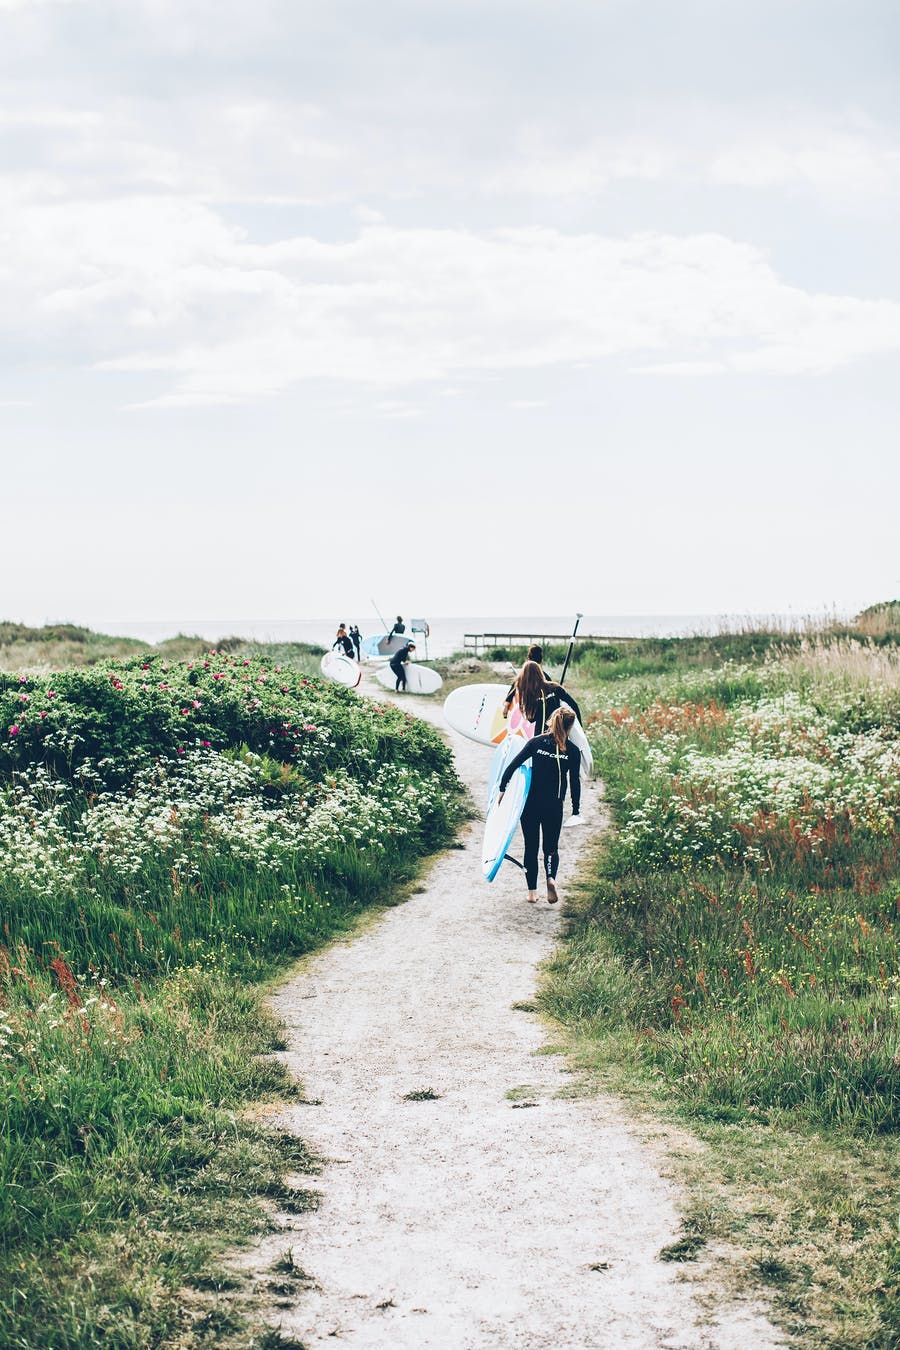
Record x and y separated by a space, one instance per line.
532 897
552 892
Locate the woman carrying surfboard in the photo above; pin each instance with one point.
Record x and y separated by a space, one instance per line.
344 641
538 697
555 764
398 663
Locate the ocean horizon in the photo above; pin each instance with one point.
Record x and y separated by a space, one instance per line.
447 634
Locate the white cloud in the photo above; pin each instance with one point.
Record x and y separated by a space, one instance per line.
853 159
849 161
161 284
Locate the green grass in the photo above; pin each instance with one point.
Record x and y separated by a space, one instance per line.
63 646
133 1039
734 967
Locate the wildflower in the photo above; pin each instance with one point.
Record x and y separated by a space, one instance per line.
14 729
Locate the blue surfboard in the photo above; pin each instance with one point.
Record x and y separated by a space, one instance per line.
503 817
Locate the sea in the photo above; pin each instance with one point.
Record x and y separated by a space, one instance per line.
448 635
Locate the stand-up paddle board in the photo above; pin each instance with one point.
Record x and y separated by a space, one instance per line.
503 816
476 711
335 666
419 679
382 645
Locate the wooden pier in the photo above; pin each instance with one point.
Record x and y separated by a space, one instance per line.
477 643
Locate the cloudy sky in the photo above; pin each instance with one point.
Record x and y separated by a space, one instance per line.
499 307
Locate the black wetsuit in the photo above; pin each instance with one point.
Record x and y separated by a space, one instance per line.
551 770
346 644
356 639
548 702
397 665
398 629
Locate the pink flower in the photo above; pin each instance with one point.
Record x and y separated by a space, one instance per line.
23 679
180 751
14 730
42 714
51 693
205 744
23 698
196 703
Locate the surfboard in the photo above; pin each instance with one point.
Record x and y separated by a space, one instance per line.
476 711
382 645
503 816
419 679
339 668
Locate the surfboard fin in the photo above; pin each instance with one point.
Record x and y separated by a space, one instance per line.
507 857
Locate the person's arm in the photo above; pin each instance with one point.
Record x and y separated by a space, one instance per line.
567 697
575 777
508 701
515 764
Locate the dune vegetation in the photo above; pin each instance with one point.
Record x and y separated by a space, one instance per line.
733 956
172 832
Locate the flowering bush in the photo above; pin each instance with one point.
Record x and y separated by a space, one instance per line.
97 726
716 782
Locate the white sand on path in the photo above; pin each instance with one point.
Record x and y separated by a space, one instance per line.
470 1220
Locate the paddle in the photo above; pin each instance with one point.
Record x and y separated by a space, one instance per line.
380 619
562 678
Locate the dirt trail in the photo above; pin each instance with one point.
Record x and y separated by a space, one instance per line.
476 1219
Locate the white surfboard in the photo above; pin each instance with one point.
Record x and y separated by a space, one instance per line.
419 679
339 668
476 711
503 816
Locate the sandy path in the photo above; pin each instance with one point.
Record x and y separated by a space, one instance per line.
469 1220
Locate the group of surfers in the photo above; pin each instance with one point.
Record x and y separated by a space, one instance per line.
349 642
555 767
556 762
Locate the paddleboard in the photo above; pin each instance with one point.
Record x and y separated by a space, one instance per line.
339 668
476 711
419 679
503 816
382 645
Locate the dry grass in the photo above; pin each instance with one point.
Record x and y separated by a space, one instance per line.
858 663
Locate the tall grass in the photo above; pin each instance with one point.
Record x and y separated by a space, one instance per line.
738 949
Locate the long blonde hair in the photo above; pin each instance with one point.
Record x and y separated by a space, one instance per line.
530 686
559 726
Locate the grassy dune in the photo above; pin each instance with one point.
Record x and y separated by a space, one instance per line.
735 958
63 646
171 832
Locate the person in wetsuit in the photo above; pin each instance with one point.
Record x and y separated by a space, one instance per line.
398 663
535 653
399 627
555 763
344 641
538 697
356 639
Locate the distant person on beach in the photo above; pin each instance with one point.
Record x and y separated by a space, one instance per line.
356 639
538 697
399 627
343 641
555 764
399 662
